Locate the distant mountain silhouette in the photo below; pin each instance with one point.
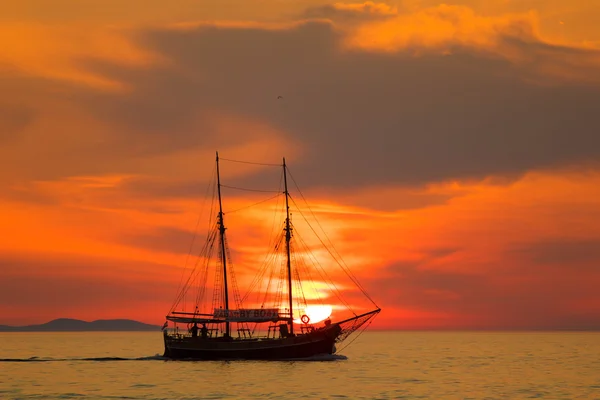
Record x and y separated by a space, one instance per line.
76 325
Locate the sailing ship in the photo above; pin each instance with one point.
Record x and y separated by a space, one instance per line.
287 320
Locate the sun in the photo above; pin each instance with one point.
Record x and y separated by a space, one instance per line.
316 313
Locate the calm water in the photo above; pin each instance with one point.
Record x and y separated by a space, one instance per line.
379 365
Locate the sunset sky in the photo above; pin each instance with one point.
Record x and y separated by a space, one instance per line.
450 150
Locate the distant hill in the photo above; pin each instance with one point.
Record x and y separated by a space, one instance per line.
76 325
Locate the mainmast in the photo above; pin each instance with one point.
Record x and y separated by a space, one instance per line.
223 253
288 237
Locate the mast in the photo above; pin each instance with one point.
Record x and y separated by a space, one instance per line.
223 253
288 237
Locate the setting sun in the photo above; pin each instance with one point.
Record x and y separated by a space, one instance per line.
315 313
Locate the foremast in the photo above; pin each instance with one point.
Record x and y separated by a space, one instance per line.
288 237
223 252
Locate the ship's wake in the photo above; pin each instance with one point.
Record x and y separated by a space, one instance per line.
318 357
71 359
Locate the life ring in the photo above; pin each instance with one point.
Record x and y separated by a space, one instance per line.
305 319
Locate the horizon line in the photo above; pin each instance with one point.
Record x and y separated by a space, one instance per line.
379 329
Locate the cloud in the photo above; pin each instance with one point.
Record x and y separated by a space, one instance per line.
360 117
368 7
452 28
446 29
531 298
387 198
13 119
162 239
561 252
442 27
43 288
348 117
495 255
55 52
521 255
352 12
436 114
63 138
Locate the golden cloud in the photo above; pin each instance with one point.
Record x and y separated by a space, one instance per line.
369 7
441 26
445 29
61 52
67 52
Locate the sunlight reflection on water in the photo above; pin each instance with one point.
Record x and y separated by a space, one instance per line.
379 365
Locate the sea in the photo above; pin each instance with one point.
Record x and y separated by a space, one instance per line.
377 365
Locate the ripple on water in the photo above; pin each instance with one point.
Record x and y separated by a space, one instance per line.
142 385
378 365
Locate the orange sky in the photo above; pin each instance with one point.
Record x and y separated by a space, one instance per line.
450 150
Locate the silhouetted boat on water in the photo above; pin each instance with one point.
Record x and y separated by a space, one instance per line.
266 329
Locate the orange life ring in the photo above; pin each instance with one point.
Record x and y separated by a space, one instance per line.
305 319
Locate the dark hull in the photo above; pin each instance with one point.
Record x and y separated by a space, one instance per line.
301 346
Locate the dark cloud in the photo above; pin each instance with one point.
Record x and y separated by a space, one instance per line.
362 117
168 189
27 195
162 239
561 252
48 285
359 118
13 118
367 11
507 295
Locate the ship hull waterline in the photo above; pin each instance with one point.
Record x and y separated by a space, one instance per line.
320 342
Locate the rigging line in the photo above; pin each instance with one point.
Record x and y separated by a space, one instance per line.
195 230
182 298
328 281
360 332
271 257
335 256
212 234
249 190
338 258
202 286
249 162
252 205
278 292
259 275
204 276
341 261
326 278
275 259
321 270
186 286
204 252
236 291
271 252
298 280
302 264
184 289
280 286
273 237
199 285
